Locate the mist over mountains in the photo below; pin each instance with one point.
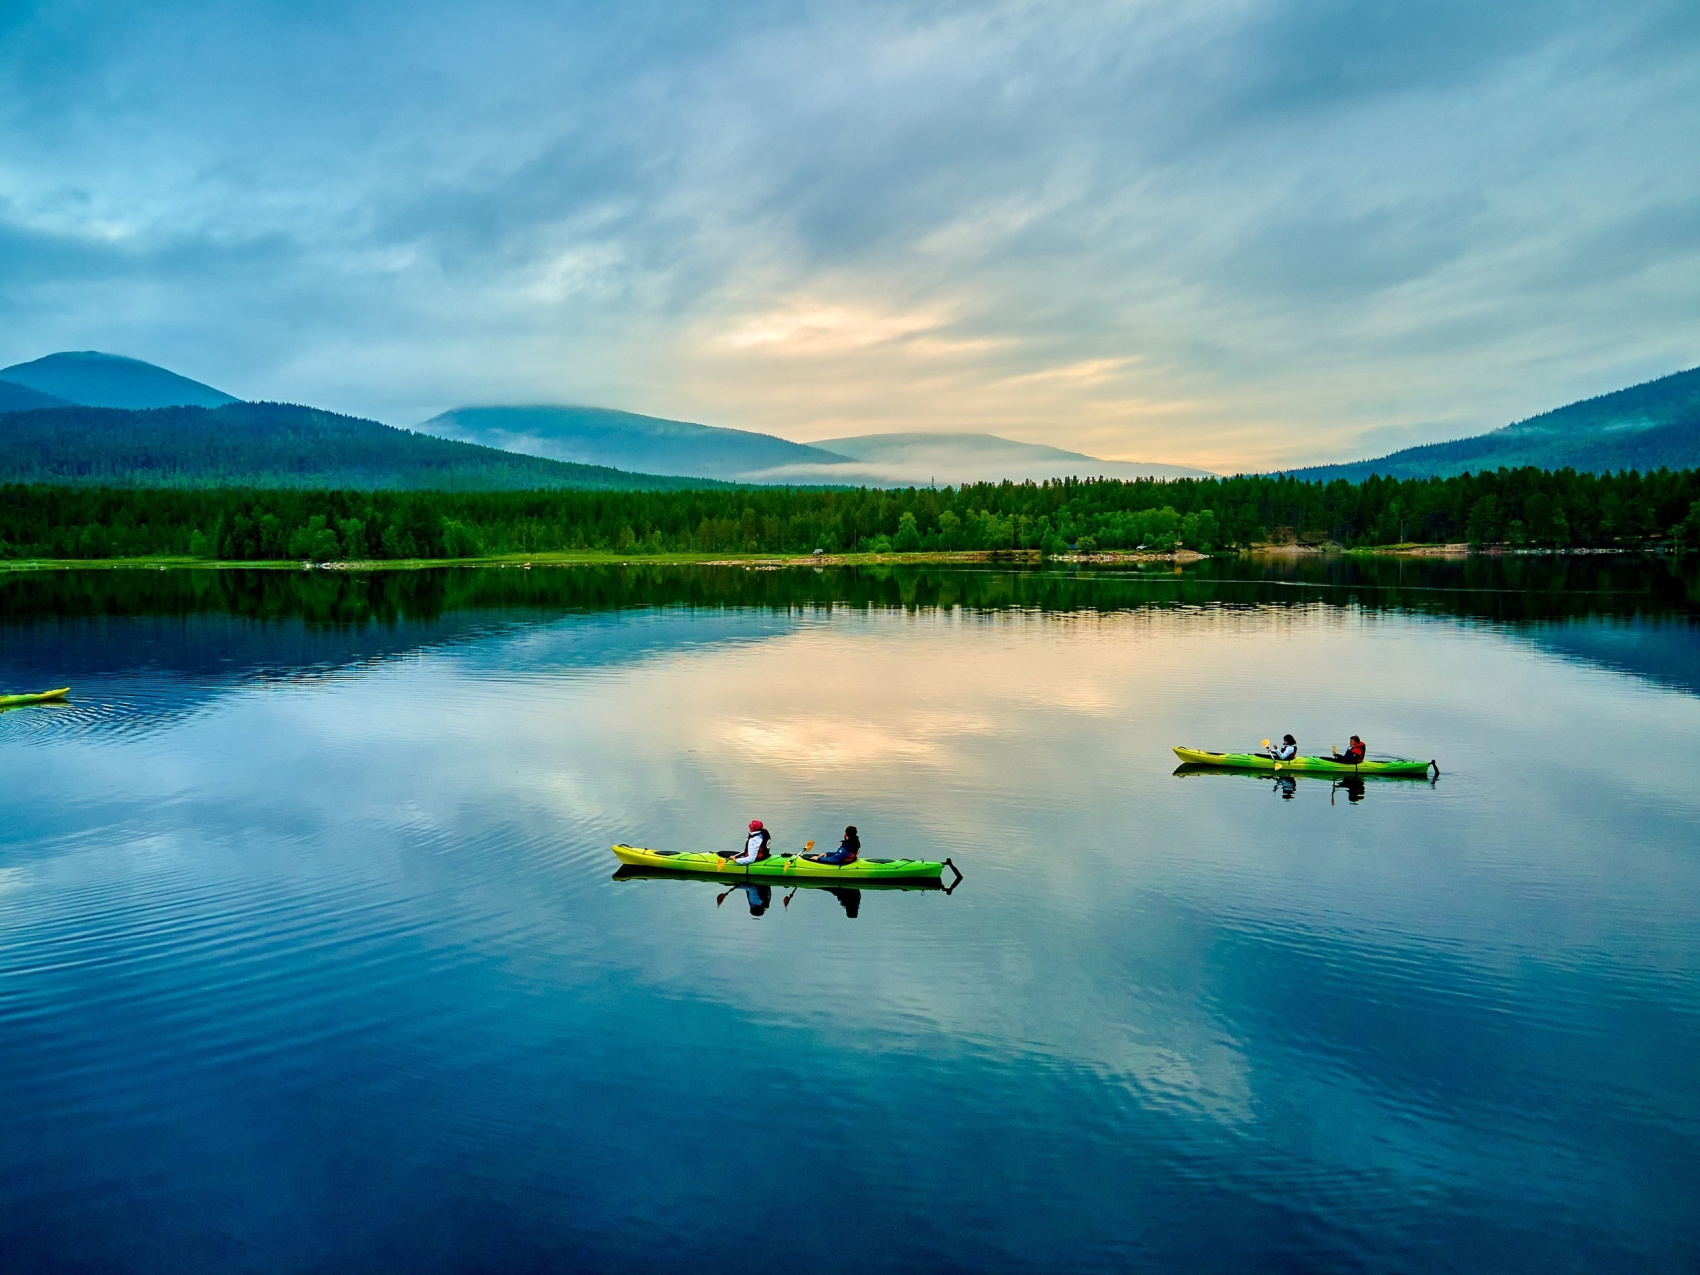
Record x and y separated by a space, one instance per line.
625 440
87 417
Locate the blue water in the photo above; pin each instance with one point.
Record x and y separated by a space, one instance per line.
312 956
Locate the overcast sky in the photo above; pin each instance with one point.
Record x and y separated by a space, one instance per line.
1231 234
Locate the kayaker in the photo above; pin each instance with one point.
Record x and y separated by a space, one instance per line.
1288 750
755 845
848 848
1354 754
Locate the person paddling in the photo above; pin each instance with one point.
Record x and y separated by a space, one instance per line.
1354 754
1287 750
755 845
848 848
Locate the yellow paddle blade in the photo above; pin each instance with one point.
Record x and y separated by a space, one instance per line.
1266 743
808 845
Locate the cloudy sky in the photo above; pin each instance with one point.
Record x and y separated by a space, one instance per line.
1232 233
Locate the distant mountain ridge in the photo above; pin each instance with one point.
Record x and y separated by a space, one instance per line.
952 459
1656 423
89 378
624 440
273 445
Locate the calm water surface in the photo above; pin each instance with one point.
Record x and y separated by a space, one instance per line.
312 957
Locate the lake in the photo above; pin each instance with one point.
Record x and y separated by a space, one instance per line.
312 954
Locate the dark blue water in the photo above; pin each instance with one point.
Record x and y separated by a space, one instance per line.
312 957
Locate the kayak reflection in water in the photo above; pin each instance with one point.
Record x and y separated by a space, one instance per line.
1287 786
760 898
1354 786
848 848
850 898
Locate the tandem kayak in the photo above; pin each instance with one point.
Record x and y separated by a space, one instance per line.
632 872
1310 765
784 867
40 697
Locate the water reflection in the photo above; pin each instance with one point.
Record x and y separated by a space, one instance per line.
1286 785
760 894
309 955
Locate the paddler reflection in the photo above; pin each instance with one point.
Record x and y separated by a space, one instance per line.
759 897
849 898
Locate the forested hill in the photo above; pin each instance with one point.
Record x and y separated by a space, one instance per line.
273 445
19 398
1644 427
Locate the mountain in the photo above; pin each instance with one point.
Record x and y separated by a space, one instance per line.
20 398
92 379
272 445
601 436
953 459
1642 427
625 440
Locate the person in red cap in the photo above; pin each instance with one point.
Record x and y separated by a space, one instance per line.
755 845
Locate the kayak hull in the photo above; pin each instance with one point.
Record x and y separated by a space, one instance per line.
780 867
40 697
1300 765
632 872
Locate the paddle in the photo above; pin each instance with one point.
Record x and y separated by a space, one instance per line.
721 898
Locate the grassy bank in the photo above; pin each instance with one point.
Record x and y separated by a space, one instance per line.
160 562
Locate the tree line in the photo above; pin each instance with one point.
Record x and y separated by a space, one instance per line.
1512 589
1521 507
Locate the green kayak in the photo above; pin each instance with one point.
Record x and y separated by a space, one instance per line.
785 867
631 872
1303 765
39 697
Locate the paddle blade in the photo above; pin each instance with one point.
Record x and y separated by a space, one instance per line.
808 845
1266 743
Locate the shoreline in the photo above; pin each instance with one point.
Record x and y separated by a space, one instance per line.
780 561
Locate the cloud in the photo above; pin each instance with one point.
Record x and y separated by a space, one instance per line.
1230 234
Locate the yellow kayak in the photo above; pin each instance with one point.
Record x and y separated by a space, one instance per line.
39 697
1312 765
782 867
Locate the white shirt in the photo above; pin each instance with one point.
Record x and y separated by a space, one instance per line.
1286 752
752 847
